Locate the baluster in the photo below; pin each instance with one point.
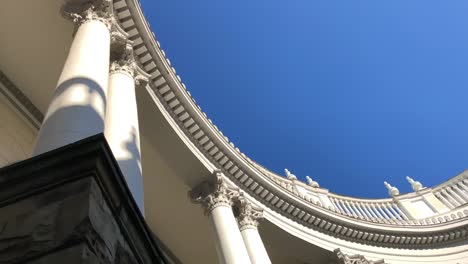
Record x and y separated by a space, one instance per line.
333 203
456 195
450 198
389 213
353 205
460 192
337 205
363 205
345 208
376 211
350 209
369 208
463 187
359 208
395 213
379 207
444 200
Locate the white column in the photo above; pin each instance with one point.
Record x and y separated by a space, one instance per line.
216 197
121 124
248 220
79 102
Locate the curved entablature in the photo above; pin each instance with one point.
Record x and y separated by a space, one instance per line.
386 222
426 206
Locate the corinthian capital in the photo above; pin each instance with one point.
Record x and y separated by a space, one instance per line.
213 193
247 215
123 61
84 11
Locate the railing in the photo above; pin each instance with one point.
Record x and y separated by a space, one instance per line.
380 211
453 194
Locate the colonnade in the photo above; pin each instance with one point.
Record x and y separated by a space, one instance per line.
235 221
96 94
96 91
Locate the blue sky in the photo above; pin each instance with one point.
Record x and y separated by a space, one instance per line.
351 93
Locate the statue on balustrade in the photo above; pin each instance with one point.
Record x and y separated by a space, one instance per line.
289 175
414 184
392 191
312 183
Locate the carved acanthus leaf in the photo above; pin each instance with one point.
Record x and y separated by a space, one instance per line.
247 215
123 60
342 258
81 12
214 192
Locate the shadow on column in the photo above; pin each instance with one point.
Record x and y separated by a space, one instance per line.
73 122
131 166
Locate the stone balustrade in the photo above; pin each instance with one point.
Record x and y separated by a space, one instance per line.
454 192
384 211
444 203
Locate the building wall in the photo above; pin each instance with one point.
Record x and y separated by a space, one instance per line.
17 136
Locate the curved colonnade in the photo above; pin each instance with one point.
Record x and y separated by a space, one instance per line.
428 225
380 222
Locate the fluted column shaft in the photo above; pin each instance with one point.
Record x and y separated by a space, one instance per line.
121 123
79 102
248 220
217 199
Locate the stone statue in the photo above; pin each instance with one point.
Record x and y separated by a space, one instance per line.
312 183
392 191
414 184
289 175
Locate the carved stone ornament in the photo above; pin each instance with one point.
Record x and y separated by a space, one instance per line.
123 61
341 258
247 215
312 183
392 191
119 37
414 184
289 175
81 12
214 192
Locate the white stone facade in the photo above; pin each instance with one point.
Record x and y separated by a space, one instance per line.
113 57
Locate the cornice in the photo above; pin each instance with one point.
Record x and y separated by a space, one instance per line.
20 101
270 191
